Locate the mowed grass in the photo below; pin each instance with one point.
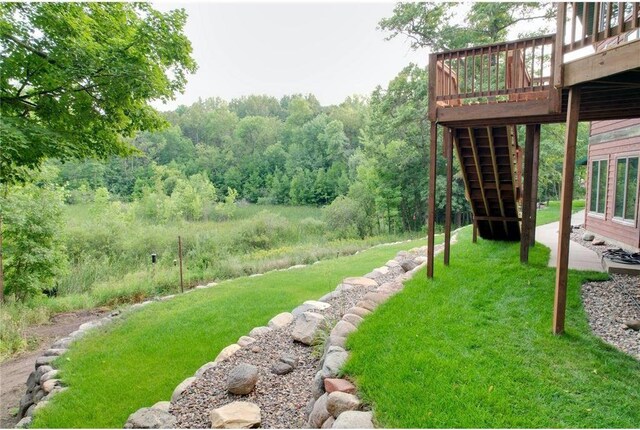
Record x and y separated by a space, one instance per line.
551 213
140 360
473 348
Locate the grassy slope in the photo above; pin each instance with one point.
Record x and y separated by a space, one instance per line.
139 361
473 348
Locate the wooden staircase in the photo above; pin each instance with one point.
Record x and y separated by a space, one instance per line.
490 164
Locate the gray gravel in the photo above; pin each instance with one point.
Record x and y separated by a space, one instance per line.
283 399
610 304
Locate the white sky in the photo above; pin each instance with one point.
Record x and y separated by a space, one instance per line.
331 50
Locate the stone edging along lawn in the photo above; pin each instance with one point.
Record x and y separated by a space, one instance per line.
42 383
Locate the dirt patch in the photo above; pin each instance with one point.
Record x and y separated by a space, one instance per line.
14 372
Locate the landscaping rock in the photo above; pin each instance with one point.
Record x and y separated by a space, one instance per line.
181 387
38 395
281 368
367 304
242 379
343 329
50 384
41 405
204 368
378 298
408 265
306 327
29 412
245 340
334 340
352 319
329 296
162 406
338 402
334 361
316 304
211 284
588 237
290 359
317 386
150 418
392 264
256 349
297 266
44 360
354 420
227 352
333 384
361 312
328 423
281 320
360 282
598 242
259 331
301 309
24 423
25 402
54 352
319 414
633 325
49 375
236 415
32 381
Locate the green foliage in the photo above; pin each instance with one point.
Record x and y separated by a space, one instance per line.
473 348
346 218
76 78
33 251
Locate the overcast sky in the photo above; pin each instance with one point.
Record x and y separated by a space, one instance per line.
331 50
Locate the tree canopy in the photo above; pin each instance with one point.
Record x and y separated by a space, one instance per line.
77 78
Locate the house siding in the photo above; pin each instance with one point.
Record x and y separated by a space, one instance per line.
615 139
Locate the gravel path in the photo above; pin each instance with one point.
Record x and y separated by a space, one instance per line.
284 400
610 304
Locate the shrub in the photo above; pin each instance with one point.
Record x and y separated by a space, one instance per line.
264 231
346 218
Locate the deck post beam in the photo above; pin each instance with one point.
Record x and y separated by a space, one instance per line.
568 171
534 184
448 147
474 237
431 210
525 230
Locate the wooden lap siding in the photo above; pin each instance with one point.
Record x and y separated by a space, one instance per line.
626 143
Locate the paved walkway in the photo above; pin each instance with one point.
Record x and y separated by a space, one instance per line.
580 258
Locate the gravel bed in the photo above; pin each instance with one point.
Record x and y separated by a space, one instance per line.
283 399
611 303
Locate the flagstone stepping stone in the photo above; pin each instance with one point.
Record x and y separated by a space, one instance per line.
237 415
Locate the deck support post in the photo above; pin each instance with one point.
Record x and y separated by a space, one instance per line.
431 211
568 170
448 147
534 184
525 229
474 237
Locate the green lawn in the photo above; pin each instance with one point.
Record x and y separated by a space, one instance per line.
139 361
474 348
551 213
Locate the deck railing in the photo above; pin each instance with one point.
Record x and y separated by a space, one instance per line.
589 23
510 71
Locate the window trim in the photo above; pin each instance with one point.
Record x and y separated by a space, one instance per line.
596 214
622 220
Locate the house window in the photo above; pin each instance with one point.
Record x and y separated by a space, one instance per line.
598 186
626 188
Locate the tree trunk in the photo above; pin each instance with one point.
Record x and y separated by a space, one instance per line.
1 265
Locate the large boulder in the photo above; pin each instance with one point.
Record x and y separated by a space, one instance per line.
333 362
353 319
338 402
354 420
306 327
343 329
281 320
242 379
150 418
236 415
333 384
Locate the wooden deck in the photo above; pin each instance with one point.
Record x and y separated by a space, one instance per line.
480 94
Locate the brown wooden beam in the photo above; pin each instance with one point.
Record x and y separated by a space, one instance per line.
498 218
568 170
448 144
474 237
431 222
476 160
609 62
496 175
525 230
534 184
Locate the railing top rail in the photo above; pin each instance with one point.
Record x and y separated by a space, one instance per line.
548 37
